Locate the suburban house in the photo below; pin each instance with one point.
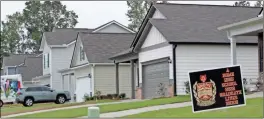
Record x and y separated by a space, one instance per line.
58 47
177 38
249 27
24 64
92 69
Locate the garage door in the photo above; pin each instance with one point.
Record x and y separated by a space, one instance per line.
153 75
83 86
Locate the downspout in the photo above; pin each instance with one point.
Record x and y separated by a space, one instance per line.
174 68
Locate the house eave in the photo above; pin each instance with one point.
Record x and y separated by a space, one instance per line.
237 24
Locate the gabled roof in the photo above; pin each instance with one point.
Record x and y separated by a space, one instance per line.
112 22
192 23
31 68
100 46
198 23
16 59
72 29
63 36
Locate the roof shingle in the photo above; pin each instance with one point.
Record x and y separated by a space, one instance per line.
100 46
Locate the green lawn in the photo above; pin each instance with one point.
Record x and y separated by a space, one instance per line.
78 112
253 109
19 108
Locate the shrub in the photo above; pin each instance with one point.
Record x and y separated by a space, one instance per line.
86 97
187 87
103 97
97 94
114 96
109 96
122 96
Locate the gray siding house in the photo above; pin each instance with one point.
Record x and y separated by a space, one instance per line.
58 48
91 70
177 38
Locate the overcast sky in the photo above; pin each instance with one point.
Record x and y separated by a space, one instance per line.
94 13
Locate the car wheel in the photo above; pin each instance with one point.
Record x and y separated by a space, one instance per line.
28 102
60 99
1 103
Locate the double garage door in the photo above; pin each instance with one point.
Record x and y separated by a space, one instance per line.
155 77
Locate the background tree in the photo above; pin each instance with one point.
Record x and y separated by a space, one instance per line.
136 13
42 17
242 3
22 31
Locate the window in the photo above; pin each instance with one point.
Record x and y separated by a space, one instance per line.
82 56
48 60
44 62
45 89
33 89
11 70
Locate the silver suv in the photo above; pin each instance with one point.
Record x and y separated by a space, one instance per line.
40 94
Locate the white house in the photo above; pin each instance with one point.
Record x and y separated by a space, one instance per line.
177 38
58 47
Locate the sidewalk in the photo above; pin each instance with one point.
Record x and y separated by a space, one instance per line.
70 107
159 107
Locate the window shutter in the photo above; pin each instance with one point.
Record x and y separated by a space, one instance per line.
48 61
44 61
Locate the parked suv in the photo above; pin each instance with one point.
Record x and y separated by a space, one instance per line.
39 94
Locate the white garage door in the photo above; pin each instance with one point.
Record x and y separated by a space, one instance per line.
83 86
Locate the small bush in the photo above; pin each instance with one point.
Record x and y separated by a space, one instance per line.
103 97
187 87
109 96
114 96
122 96
86 97
92 98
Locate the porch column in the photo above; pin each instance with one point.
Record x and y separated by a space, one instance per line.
132 79
117 77
233 50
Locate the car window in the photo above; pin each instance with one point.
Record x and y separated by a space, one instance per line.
45 89
32 89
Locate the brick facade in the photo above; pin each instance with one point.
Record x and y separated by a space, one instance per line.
138 93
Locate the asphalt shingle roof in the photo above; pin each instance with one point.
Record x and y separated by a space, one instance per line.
100 46
31 68
16 59
198 23
63 36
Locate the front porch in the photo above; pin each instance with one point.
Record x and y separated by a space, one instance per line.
250 27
